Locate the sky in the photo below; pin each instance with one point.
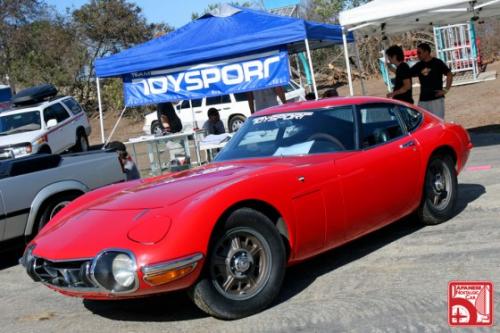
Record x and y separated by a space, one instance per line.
174 12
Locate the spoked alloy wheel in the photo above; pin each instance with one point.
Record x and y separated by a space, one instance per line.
240 264
440 191
245 267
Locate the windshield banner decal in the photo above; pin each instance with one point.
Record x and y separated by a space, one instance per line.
241 74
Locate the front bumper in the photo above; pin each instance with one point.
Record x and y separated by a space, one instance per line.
78 277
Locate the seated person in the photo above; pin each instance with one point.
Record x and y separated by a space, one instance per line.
169 121
214 125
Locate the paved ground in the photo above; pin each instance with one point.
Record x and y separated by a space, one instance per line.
394 280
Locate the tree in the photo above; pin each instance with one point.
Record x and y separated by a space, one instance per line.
14 14
109 26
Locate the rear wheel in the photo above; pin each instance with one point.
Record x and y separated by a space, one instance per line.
236 122
82 142
53 206
440 191
244 269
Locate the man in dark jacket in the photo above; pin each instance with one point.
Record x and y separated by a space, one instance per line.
168 119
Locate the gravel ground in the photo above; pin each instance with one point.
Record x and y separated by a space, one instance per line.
393 280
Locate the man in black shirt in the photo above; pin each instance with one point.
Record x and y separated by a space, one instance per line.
430 72
402 85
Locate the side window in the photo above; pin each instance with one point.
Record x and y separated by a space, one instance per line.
241 97
55 111
213 100
73 106
185 105
225 99
335 130
196 103
411 118
379 124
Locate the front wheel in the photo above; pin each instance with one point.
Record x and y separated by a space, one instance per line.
440 191
244 269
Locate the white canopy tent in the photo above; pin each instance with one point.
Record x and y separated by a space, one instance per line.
397 16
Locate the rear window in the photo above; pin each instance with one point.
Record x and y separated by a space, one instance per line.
73 106
411 118
218 100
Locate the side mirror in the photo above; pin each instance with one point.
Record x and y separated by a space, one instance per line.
51 123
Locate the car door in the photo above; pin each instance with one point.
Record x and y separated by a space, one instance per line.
379 181
56 135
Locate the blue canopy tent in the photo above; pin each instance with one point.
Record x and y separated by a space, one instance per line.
228 31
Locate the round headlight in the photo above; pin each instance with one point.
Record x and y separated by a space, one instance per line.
123 269
115 271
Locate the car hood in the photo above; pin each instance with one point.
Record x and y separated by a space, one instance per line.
138 214
8 140
168 190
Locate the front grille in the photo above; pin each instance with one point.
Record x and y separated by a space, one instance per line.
66 274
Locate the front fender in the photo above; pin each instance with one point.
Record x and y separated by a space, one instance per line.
47 192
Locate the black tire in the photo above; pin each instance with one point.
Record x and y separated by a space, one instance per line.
233 285
235 122
155 127
52 207
440 191
82 142
44 150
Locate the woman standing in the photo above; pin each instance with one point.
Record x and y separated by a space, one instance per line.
402 85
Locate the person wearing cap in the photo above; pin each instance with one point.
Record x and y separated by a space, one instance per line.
214 125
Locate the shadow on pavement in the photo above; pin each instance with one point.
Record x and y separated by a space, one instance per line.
162 308
177 306
10 258
468 193
483 136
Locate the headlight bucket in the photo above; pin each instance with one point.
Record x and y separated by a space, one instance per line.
115 271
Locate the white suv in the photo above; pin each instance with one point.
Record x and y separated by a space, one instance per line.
233 109
48 126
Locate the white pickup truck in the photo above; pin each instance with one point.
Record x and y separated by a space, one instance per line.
41 122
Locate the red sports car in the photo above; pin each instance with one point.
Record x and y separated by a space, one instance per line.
296 180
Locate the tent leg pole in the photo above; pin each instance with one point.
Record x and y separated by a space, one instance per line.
101 120
114 127
312 68
347 64
360 67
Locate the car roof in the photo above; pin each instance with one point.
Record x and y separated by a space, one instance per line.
324 103
33 107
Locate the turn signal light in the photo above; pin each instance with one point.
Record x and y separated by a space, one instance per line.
168 276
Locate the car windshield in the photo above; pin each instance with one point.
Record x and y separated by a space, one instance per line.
293 133
20 122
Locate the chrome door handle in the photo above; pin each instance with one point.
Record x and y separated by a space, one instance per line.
301 179
408 144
